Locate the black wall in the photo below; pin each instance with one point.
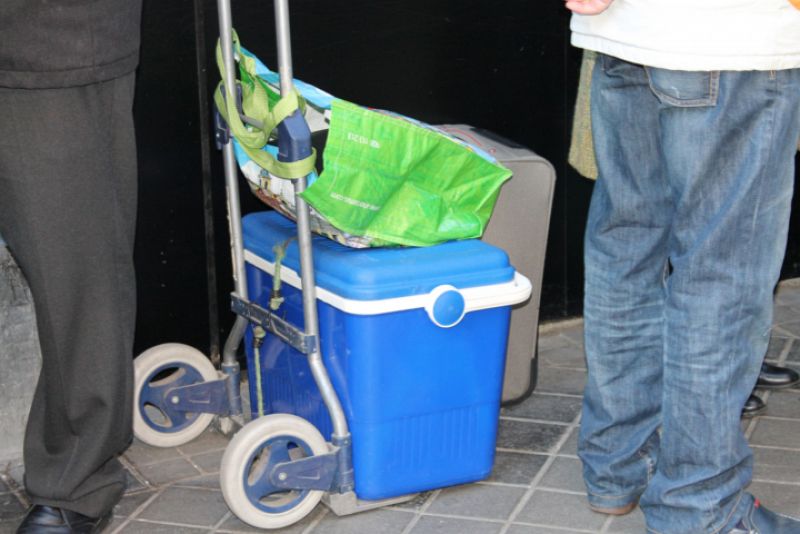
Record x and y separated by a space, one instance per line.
171 244
504 66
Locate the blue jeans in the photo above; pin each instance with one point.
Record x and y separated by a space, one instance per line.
685 239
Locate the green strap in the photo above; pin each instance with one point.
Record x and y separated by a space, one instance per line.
280 252
259 334
256 104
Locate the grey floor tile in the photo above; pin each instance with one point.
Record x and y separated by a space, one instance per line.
570 446
10 507
777 344
375 522
633 523
777 433
777 473
114 526
792 328
569 356
564 474
788 294
528 436
783 313
203 481
776 457
780 498
560 510
207 441
234 524
134 485
140 454
516 467
477 500
560 380
134 482
15 473
531 529
449 525
208 461
552 341
574 334
794 352
169 471
546 408
146 527
130 503
187 506
783 403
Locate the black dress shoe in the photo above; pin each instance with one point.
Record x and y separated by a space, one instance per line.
774 377
753 406
50 520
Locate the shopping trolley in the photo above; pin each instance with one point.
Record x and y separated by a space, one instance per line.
421 418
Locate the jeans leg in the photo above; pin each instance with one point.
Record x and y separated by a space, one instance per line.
731 168
625 268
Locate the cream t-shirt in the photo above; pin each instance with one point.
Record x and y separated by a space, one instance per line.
695 34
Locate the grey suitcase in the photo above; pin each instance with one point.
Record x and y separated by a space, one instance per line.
519 225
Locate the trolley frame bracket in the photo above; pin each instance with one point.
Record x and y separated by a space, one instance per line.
222 134
313 473
297 338
203 397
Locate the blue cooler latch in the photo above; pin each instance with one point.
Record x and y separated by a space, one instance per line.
446 307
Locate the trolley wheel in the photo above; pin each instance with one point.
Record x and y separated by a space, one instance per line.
155 370
250 455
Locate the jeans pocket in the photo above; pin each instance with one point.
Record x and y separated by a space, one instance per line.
681 88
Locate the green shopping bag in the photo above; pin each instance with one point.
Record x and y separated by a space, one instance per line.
401 182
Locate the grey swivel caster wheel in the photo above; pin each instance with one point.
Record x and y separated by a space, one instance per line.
166 366
252 453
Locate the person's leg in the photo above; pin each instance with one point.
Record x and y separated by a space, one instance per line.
67 211
625 269
728 142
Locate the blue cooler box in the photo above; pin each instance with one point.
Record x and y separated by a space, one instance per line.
414 340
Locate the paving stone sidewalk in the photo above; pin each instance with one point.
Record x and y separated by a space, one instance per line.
535 488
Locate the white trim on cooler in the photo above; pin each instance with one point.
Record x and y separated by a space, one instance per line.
475 298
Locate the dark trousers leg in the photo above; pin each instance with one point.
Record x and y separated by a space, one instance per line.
67 212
